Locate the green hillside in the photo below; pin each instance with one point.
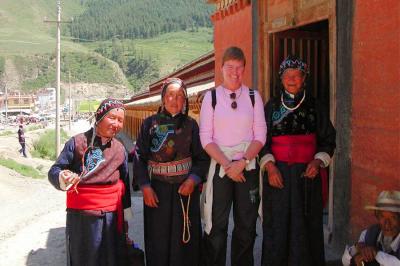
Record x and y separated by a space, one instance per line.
131 19
23 31
29 44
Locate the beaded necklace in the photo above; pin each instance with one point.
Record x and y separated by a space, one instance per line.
297 106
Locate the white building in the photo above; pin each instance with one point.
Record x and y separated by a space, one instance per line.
46 98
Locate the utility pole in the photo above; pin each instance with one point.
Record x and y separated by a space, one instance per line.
70 101
6 103
58 58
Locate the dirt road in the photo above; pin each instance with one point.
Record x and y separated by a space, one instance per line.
32 212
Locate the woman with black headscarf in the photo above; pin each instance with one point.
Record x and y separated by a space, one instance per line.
171 163
92 168
300 144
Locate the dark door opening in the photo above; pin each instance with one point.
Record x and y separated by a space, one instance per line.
311 44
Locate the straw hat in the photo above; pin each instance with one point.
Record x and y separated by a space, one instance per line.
387 201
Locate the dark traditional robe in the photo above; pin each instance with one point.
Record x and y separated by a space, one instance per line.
292 224
164 138
91 235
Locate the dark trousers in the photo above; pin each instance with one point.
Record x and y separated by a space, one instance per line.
93 240
23 148
292 222
163 228
245 199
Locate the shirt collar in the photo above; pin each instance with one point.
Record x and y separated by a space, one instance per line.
395 243
228 91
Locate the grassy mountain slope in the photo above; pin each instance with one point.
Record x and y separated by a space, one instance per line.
29 44
22 28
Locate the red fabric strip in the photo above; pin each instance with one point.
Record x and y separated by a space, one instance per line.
105 198
299 149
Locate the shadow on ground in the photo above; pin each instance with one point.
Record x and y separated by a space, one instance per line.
53 254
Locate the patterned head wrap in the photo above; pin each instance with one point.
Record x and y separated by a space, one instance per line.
182 85
106 106
295 62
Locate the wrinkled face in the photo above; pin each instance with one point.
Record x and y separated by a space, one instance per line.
389 222
111 124
174 99
293 80
232 72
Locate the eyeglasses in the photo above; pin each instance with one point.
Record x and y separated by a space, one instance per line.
233 98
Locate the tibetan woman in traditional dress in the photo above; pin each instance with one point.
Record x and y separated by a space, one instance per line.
171 163
300 145
92 168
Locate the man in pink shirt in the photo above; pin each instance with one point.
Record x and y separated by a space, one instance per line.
232 132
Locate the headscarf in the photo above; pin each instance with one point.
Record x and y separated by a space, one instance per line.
106 106
182 85
294 62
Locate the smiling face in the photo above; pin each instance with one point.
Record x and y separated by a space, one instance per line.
174 99
111 123
389 222
293 80
232 72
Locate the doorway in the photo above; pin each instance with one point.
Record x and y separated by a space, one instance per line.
311 44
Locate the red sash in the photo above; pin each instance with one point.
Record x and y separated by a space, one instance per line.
106 198
299 149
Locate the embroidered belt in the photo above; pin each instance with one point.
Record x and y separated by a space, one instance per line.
174 168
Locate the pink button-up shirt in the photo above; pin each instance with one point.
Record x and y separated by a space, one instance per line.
226 126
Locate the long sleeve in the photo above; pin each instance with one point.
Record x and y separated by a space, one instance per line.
200 159
387 259
259 125
142 152
64 161
326 133
266 150
124 176
206 120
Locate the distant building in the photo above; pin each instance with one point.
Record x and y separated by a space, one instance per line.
17 102
46 98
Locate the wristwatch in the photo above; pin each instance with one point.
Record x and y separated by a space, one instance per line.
247 161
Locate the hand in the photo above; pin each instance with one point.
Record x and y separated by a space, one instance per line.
274 176
367 252
150 197
235 171
238 178
187 187
358 260
69 178
126 228
312 169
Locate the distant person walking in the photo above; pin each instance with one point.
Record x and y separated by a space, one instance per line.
21 139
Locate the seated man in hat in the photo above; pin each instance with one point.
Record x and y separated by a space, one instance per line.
380 243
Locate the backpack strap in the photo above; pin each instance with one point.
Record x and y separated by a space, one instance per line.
252 93
213 98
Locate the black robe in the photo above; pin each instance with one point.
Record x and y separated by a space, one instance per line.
164 138
292 224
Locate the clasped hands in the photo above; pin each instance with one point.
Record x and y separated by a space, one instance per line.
150 196
234 170
275 177
364 254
